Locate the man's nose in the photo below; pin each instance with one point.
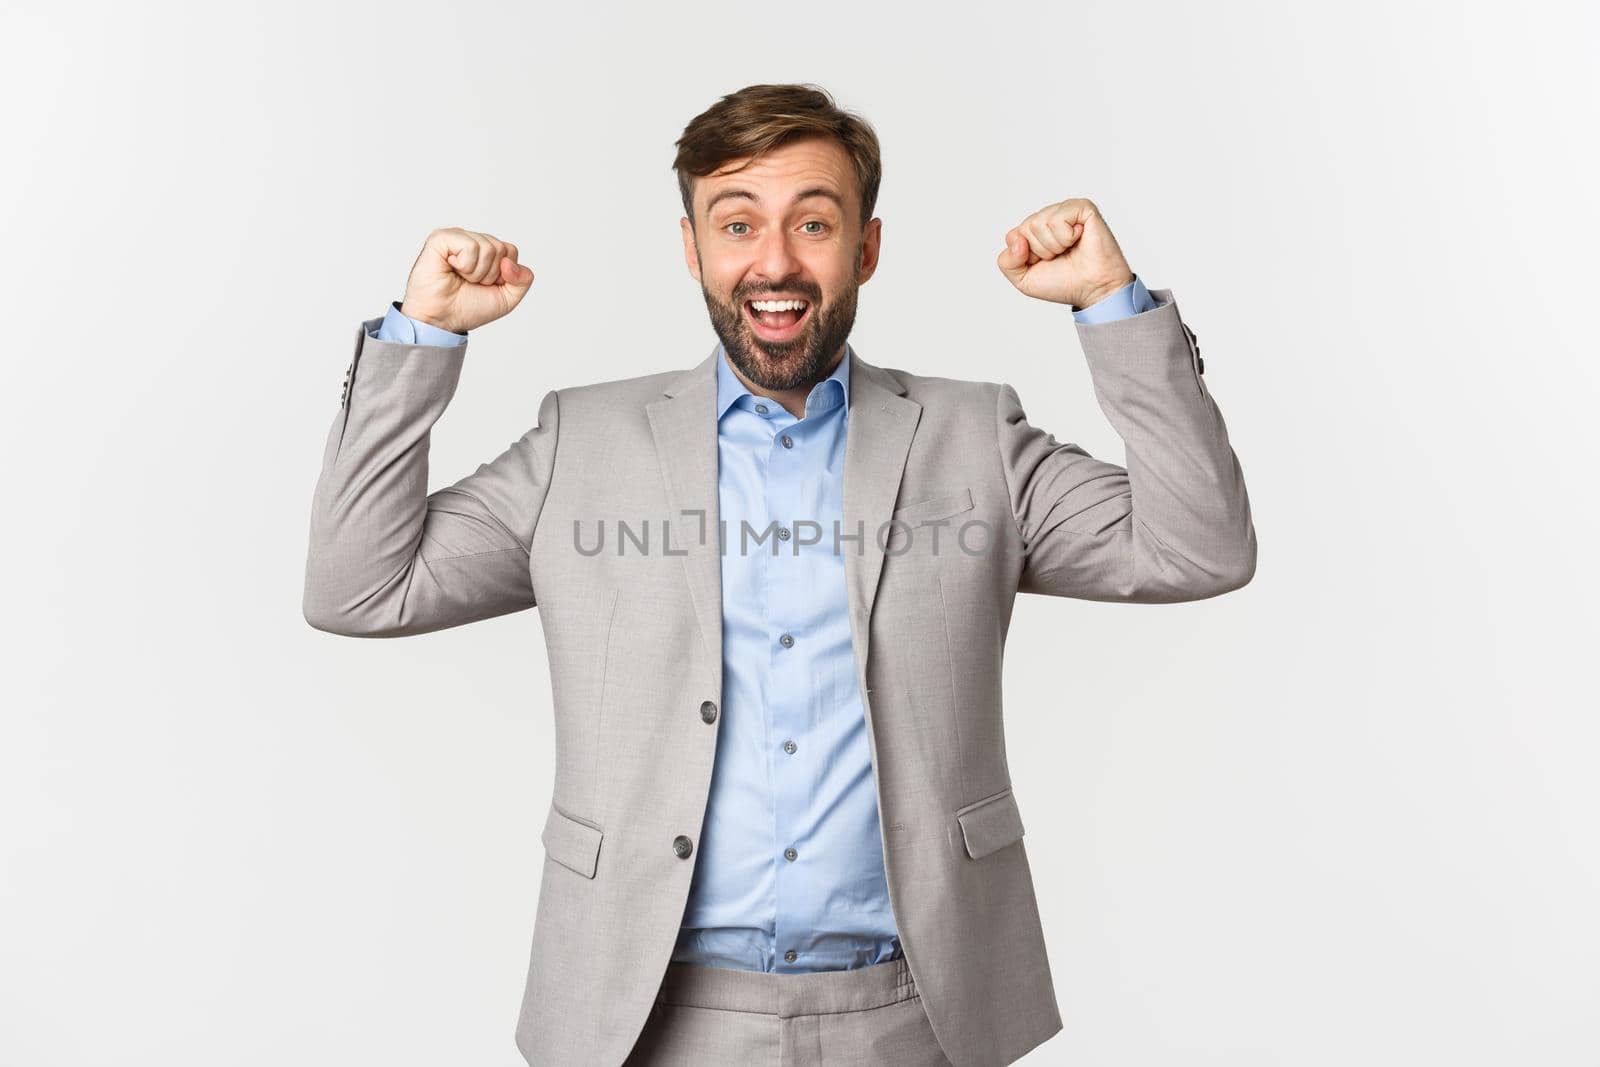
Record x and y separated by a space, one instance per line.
775 256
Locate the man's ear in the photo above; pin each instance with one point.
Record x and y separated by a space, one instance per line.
871 237
691 255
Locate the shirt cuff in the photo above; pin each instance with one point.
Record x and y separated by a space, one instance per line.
407 330
1131 299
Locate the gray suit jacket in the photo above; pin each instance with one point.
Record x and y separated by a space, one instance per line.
634 637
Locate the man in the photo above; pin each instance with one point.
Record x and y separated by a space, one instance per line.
782 828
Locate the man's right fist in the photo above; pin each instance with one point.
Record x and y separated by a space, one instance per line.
463 280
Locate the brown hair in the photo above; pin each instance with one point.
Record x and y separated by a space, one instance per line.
759 118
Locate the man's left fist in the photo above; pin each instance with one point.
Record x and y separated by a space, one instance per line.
1064 253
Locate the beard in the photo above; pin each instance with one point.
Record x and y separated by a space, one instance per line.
799 362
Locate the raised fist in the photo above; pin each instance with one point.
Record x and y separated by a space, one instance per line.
463 279
1064 253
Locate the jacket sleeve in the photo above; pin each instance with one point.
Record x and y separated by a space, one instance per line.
387 558
1174 524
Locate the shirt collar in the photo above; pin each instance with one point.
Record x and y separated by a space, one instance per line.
730 388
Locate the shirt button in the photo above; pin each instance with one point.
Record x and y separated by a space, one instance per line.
708 711
682 846
790 956
761 409
790 854
789 747
783 533
788 442
786 641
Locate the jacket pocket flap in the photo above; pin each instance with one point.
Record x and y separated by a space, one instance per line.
940 507
990 824
571 843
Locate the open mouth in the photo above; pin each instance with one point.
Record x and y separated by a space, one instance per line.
780 324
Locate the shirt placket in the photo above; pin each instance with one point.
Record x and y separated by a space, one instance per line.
790 689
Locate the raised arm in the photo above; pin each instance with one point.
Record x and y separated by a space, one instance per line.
385 557
1173 524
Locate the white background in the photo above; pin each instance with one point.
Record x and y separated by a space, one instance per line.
1344 815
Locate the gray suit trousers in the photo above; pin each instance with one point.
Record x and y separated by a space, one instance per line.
864 1016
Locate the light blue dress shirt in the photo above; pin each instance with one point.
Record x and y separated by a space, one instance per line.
790 875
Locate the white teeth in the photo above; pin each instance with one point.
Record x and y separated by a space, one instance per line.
777 305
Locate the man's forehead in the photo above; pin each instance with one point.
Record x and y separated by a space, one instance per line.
745 194
786 174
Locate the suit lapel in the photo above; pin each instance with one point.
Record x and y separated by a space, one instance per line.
882 422
684 424
683 421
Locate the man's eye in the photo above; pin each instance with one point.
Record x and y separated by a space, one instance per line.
815 222
733 224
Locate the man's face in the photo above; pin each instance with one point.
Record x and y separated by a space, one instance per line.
785 227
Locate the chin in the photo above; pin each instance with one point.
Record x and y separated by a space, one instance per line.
787 352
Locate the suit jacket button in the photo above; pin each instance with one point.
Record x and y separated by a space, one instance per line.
708 711
682 846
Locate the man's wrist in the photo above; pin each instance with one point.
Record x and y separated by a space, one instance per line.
427 320
1096 295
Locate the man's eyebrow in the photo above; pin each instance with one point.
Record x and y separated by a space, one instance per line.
804 194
